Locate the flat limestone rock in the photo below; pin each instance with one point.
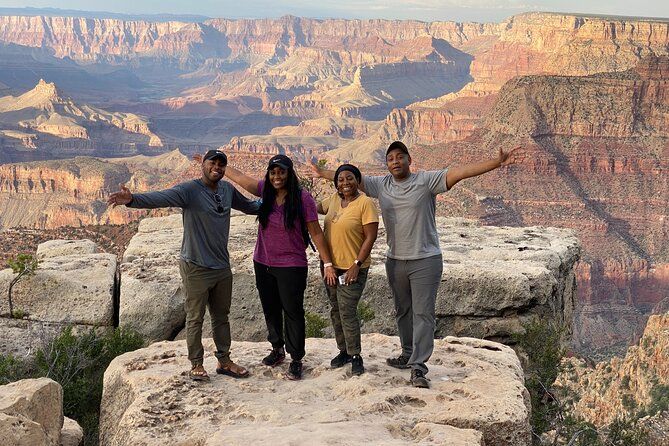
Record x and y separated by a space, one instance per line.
54 248
75 288
476 397
495 280
32 402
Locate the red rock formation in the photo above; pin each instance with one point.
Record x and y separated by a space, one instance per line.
621 387
597 161
73 192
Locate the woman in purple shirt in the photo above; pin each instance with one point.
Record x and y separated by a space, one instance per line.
287 218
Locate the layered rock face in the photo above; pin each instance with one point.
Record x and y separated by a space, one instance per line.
544 43
596 161
621 387
31 414
55 118
477 397
305 68
73 285
73 192
494 281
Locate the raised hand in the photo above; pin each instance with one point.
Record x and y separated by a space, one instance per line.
513 156
314 171
121 197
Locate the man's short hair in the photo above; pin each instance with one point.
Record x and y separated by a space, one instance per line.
397 145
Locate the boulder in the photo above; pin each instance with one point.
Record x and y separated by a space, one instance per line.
69 286
495 281
476 397
151 298
73 285
71 434
55 248
31 412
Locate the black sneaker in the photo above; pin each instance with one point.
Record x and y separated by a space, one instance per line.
418 379
275 358
356 365
294 370
401 362
340 360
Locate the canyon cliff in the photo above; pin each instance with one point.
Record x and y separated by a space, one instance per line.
596 160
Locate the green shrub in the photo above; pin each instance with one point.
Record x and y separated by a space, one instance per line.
628 402
365 312
625 382
541 342
315 324
13 369
78 362
659 399
626 433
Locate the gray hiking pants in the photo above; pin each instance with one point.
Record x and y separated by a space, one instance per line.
414 284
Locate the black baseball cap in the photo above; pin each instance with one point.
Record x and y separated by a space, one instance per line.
215 154
397 145
280 160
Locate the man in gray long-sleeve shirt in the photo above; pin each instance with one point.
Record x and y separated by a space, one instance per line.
205 261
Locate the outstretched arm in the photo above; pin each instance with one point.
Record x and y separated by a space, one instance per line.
456 174
250 184
176 197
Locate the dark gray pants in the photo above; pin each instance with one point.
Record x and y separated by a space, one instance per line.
204 288
344 312
414 284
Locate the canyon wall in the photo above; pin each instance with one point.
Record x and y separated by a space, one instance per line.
596 160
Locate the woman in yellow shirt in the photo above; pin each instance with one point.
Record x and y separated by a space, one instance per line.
351 224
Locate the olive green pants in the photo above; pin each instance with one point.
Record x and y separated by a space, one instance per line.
344 312
204 288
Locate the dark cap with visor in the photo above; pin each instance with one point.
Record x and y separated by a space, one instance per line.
397 145
280 160
215 154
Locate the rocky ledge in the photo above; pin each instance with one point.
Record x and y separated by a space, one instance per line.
476 397
495 280
73 285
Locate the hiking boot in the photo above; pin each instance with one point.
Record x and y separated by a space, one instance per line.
401 362
276 357
418 379
294 370
356 365
340 360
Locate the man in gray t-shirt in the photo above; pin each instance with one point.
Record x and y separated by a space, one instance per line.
204 261
414 264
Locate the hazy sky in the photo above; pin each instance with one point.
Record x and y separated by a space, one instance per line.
428 10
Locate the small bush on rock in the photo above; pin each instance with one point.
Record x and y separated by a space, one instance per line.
78 363
315 324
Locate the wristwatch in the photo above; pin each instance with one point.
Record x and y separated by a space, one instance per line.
357 262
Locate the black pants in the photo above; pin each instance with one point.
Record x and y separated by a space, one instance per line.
281 291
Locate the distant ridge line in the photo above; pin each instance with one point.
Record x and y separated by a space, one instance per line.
195 18
57 12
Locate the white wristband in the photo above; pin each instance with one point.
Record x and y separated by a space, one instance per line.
325 265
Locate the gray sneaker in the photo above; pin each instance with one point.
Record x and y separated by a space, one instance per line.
418 379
